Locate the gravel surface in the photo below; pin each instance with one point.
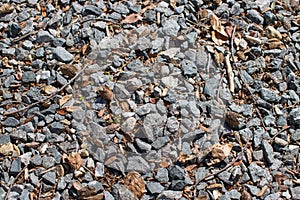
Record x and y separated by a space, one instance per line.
149 100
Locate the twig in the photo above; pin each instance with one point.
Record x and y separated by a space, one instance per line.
229 73
49 97
16 178
211 175
24 36
244 82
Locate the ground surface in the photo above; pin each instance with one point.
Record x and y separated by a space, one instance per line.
149 99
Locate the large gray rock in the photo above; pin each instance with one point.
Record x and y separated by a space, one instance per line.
61 54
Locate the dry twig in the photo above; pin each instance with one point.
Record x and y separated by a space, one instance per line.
49 97
12 184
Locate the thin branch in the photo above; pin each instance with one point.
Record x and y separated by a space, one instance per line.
244 82
49 97
211 175
12 184
24 36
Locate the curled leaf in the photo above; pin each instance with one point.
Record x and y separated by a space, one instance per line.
217 26
220 152
75 160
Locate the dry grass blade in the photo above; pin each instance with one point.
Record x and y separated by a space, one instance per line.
135 183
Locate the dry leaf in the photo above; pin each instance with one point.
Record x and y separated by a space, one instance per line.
164 164
262 191
132 19
220 152
106 93
44 10
190 167
229 29
184 158
7 149
6 8
71 108
218 38
85 49
173 3
246 195
112 128
68 70
232 119
75 160
64 99
219 57
49 89
135 183
273 33
217 26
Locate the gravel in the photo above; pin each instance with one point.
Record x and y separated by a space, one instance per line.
154 99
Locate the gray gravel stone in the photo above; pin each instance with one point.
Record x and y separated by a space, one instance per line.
14 29
99 171
255 16
96 186
11 121
211 86
154 187
270 95
28 77
189 68
16 166
162 175
121 192
295 192
171 28
44 36
49 177
170 194
61 54
138 164
57 127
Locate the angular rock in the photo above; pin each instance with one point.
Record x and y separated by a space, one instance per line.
61 54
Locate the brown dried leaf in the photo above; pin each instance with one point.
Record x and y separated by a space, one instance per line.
219 57
85 49
49 89
64 99
112 128
220 152
246 195
6 8
164 164
218 38
229 29
71 108
75 160
190 167
68 70
135 183
232 119
106 93
217 26
184 158
130 19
